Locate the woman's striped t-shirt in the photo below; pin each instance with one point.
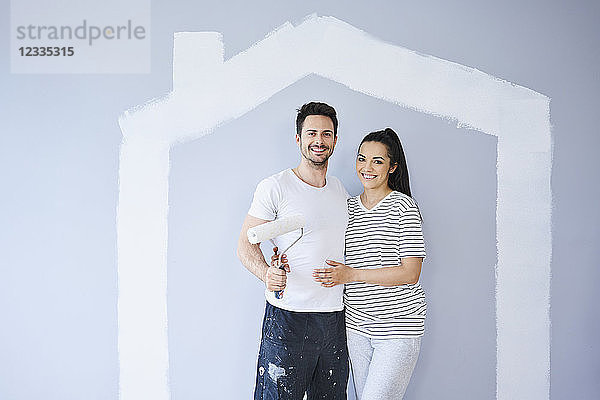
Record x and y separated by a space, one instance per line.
381 237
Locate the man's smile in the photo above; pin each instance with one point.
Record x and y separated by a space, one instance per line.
318 149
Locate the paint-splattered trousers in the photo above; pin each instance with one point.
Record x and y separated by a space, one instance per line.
302 353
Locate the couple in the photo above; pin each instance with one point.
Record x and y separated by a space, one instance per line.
366 303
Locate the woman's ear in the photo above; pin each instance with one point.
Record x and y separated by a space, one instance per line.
393 168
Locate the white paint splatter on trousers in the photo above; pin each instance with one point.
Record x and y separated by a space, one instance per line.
381 368
275 372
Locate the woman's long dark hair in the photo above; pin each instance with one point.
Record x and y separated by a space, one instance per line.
398 180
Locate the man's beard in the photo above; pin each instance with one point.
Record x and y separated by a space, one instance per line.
316 163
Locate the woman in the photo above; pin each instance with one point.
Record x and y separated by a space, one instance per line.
384 303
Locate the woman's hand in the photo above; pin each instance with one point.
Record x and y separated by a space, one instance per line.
337 274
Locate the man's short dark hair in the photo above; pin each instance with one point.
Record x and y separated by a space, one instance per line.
316 108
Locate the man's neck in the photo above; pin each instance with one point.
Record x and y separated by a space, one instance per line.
311 174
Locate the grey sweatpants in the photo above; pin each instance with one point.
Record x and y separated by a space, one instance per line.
381 368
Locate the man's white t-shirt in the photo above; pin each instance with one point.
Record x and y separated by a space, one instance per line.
325 211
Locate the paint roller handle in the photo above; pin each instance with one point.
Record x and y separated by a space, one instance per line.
278 293
279 261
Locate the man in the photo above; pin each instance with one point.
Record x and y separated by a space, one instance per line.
303 345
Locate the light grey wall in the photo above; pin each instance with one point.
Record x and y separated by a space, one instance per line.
59 158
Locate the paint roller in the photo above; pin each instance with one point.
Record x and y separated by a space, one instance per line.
270 230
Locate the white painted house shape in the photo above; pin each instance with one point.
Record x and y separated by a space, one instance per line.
207 91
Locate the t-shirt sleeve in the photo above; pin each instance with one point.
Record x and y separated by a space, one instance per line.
345 191
411 234
341 188
265 201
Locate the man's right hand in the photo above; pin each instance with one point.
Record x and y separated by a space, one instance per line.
276 278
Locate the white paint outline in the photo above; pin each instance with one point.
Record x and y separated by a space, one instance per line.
208 91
